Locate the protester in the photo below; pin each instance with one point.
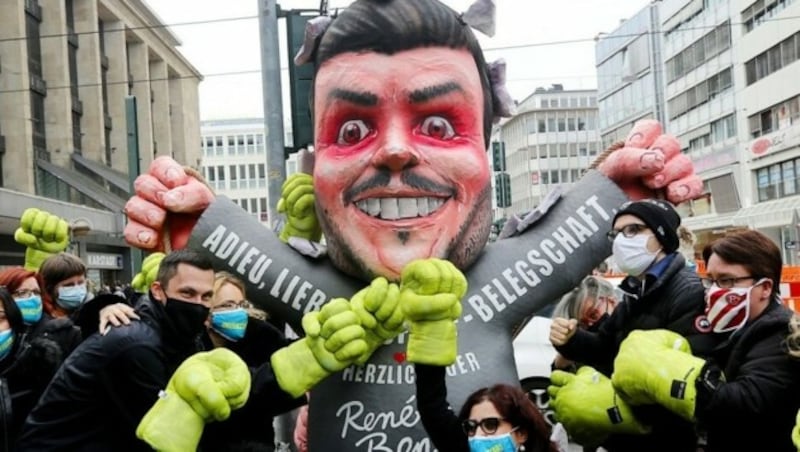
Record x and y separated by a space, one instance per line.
744 393
253 340
660 291
26 365
24 286
591 303
105 387
66 295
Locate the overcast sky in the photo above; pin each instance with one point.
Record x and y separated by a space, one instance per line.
220 48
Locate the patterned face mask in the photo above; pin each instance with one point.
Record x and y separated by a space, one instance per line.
728 309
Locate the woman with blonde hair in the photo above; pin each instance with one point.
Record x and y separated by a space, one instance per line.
234 324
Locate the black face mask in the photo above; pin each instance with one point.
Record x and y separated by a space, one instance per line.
188 319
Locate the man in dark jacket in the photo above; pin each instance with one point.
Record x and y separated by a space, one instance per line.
102 391
661 291
745 393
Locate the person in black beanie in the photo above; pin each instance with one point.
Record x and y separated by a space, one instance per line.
660 291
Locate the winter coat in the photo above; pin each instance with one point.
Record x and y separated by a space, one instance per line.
674 301
24 375
754 407
103 389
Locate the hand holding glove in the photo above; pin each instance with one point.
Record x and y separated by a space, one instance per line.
651 162
206 387
657 366
169 199
378 309
589 408
145 278
297 202
430 297
334 340
43 234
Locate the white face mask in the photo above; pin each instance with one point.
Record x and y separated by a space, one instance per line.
631 254
728 309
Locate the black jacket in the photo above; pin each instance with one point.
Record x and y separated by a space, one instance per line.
673 301
24 375
755 408
440 421
105 387
252 424
61 330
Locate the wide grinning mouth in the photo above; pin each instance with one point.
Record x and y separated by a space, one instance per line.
400 208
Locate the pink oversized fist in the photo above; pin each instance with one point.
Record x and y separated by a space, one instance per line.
167 200
651 162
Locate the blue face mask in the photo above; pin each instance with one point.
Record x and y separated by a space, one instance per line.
497 443
6 342
230 324
31 308
71 297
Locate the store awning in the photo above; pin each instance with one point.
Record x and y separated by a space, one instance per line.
84 185
114 177
709 222
768 214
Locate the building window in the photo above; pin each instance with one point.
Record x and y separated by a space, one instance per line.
699 94
773 59
713 43
777 117
761 11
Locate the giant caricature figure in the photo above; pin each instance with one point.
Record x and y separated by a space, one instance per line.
403 104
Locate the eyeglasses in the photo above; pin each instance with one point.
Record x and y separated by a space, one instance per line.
724 283
228 305
629 230
25 293
489 425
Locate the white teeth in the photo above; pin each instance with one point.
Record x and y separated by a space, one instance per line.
422 206
407 207
396 208
373 207
389 209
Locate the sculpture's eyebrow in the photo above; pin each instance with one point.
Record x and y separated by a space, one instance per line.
428 93
362 98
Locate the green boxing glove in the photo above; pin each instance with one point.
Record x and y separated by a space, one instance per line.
589 408
297 203
206 387
378 309
334 340
657 367
430 297
144 279
43 234
796 432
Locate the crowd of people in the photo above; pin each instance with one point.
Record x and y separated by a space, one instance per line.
403 106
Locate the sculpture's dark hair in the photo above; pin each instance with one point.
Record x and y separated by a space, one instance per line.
391 26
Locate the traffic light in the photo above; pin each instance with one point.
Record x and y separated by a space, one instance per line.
502 189
300 79
499 155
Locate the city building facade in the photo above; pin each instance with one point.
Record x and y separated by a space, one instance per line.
630 75
549 142
68 70
235 162
728 71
